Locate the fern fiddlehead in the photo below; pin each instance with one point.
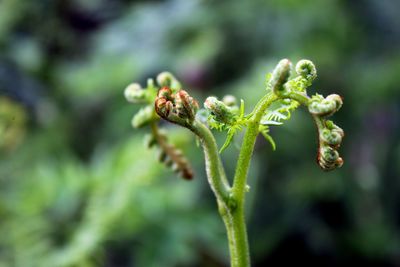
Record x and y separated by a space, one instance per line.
179 108
329 135
171 156
284 94
168 154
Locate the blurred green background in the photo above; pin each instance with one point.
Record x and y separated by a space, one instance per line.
79 188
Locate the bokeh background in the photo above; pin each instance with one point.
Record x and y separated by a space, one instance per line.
79 188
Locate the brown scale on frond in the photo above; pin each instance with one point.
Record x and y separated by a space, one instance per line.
171 156
163 103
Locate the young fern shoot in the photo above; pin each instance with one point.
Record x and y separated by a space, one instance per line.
284 93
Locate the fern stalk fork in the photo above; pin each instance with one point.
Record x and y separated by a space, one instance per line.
284 93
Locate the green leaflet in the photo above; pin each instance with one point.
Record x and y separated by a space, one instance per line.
264 130
276 116
281 112
231 133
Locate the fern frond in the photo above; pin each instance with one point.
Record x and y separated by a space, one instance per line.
171 156
280 113
276 116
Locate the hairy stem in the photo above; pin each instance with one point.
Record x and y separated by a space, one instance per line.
237 215
231 200
214 168
231 213
220 186
246 151
226 216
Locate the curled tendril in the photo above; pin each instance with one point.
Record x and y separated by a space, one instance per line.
330 139
179 108
328 158
306 69
280 76
330 136
325 106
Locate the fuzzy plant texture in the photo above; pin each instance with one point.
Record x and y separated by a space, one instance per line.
284 93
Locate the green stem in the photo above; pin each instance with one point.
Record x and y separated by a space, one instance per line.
231 200
246 151
232 215
238 222
242 258
226 216
220 186
214 168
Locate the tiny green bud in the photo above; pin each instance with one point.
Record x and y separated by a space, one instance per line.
150 83
229 100
164 79
134 93
280 76
306 69
167 79
219 110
